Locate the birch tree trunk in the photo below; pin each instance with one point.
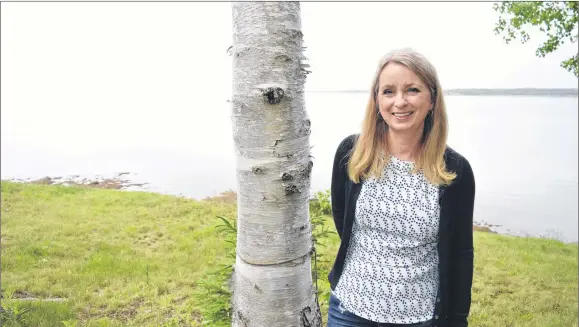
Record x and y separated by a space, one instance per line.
272 281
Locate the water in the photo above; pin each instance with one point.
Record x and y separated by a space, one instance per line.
523 150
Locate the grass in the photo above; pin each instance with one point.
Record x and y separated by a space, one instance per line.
119 258
526 282
115 258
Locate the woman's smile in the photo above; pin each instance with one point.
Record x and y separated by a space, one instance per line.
402 115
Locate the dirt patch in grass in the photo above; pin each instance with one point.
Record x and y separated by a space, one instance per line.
128 312
22 295
122 314
85 314
196 317
19 294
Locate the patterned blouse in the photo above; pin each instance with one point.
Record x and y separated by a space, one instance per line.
391 269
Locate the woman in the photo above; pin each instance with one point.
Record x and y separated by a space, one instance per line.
402 203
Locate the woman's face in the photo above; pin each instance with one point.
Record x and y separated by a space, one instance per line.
403 99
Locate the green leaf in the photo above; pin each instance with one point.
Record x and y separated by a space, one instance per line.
557 20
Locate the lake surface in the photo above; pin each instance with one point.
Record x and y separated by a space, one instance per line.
523 150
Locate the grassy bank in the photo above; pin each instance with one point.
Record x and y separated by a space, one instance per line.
76 256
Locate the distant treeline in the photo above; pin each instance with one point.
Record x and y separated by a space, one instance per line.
519 91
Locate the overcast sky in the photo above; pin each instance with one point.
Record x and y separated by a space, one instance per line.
47 47
457 37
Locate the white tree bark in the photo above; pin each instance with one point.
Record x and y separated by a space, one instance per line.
272 281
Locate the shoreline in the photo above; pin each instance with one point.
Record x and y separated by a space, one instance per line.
118 181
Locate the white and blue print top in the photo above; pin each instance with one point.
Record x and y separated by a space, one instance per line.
391 269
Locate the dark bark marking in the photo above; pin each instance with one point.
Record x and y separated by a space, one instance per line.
283 155
257 288
304 319
272 95
242 319
276 142
258 170
283 58
291 189
294 34
306 172
316 317
306 128
286 177
300 229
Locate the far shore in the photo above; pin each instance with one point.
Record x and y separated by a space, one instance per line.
554 92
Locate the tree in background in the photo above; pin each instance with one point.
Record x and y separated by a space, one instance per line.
557 19
272 279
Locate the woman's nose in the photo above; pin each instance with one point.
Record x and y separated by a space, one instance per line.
400 101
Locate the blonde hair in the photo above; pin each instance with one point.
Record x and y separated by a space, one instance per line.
366 158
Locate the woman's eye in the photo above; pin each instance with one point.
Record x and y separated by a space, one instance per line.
387 92
413 90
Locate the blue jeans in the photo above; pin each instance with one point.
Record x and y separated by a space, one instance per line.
339 317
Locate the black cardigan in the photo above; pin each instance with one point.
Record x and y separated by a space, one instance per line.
455 247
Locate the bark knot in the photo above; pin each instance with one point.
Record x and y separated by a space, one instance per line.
307 170
306 127
291 189
272 95
283 58
258 170
286 177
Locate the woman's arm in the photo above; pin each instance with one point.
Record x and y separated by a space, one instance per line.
339 175
462 252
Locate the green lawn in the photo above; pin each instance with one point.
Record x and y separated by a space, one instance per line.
115 258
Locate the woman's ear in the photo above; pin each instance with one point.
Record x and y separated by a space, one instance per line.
433 97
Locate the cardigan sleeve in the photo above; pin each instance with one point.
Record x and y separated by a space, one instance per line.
339 179
462 256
